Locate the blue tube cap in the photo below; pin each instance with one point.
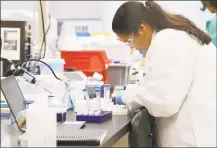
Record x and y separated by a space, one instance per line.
98 90
117 62
85 89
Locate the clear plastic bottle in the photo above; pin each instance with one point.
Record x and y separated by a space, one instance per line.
41 124
86 95
107 97
98 91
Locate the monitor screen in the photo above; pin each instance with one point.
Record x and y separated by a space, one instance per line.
15 99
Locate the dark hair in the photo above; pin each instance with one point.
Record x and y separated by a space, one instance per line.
131 14
212 3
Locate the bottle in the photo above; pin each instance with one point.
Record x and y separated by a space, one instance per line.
41 124
86 95
107 97
98 91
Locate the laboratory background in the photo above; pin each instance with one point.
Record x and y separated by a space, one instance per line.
63 73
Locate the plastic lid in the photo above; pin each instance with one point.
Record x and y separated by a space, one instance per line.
117 62
106 85
85 89
98 90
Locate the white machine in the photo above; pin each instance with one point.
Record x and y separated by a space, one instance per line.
33 18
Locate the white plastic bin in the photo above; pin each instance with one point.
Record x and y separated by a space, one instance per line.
119 74
56 64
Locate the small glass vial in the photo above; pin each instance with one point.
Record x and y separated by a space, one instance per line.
86 95
107 97
98 91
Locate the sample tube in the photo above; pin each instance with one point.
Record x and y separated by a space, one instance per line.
98 99
107 93
86 95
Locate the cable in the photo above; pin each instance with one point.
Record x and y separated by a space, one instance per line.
34 41
27 56
44 39
18 64
43 43
1 47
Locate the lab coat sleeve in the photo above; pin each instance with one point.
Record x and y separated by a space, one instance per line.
167 81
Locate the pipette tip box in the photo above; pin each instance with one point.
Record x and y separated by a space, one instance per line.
104 116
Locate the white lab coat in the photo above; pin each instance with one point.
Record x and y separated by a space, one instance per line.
179 89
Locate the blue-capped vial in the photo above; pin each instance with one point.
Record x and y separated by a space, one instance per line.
84 89
98 99
86 95
98 90
107 93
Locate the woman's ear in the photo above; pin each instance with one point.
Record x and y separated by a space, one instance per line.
142 29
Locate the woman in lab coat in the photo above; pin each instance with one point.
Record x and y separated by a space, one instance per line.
211 26
180 83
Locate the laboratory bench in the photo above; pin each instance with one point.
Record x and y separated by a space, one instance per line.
116 128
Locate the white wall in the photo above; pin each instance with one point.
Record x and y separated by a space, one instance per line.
105 10
76 9
108 12
190 9
18 5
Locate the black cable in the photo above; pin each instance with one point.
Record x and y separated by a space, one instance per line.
1 47
43 42
27 56
42 17
21 62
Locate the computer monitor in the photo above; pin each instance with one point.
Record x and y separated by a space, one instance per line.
15 100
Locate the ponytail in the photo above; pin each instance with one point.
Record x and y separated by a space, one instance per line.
131 14
161 20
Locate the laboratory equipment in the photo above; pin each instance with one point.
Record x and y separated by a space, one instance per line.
56 64
95 113
43 129
107 96
75 75
68 99
15 100
102 117
118 73
81 106
98 94
86 95
84 137
15 41
88 62
91 89
61 114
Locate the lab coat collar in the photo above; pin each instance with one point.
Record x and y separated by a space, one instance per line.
154 34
